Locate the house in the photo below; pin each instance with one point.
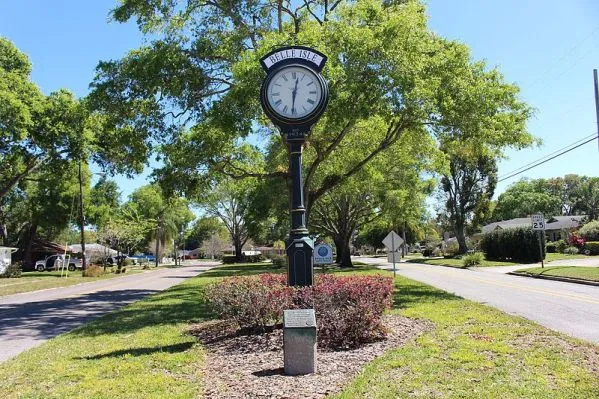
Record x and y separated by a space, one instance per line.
556 227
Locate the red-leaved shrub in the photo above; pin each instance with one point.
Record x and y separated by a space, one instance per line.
348 309
255 302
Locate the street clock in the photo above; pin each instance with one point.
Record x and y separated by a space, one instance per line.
294 94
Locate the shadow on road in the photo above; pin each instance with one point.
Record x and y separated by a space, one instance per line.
50 318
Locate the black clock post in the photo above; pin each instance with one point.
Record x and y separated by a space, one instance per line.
294 95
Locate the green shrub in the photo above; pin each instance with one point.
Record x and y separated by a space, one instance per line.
472 259
437 252
571 251
519 245
279 261
228 259
452 248
561 246
93 271
128 262
592 247
590 231
13 271
252 258
551 247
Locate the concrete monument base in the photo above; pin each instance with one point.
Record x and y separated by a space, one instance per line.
299 341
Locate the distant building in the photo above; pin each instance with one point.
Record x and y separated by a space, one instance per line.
556 227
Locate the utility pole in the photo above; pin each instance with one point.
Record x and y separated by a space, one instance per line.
82 220
596 101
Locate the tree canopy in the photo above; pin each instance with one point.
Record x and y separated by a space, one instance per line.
194 88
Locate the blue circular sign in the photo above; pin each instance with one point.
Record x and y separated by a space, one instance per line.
323 251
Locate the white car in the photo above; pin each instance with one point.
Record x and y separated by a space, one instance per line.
53 262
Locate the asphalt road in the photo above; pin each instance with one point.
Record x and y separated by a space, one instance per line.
566 307
30 319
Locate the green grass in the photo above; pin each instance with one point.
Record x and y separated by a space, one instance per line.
583 273
474 351
33 281
557 256
450 262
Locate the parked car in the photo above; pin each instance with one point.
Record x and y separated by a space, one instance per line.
53 262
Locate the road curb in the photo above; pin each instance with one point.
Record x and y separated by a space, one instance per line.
555 278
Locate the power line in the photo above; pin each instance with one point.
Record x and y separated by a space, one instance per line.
548 155
547 160
564 57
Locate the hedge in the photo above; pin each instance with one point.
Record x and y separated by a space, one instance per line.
229 259
590 231
592 247
518 245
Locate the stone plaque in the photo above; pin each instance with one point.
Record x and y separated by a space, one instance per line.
299 318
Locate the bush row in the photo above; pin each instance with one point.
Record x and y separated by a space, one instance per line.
228 259
519 245
348 309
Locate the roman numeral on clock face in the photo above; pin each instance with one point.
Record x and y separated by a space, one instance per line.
278 102
310 101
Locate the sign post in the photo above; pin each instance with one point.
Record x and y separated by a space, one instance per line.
393 241
538 224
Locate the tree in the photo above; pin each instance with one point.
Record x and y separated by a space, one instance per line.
527 197
391 190
229 202
167 214
587 197
202 229
105 201
468 187
194 88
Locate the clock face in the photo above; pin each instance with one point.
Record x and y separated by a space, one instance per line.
294 92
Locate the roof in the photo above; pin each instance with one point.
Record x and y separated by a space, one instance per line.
98 249
553 223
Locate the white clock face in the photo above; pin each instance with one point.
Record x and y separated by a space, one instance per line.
294 92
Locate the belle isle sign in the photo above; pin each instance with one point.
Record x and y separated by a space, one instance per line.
295 53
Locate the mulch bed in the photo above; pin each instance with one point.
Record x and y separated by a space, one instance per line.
251 366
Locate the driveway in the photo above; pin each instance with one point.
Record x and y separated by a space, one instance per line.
30 319
566 307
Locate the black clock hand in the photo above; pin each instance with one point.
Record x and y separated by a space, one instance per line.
293 94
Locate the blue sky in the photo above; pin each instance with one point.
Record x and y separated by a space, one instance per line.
549 48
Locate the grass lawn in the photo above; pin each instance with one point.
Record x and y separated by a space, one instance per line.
583 273
458 262
33 281
141 351
557 256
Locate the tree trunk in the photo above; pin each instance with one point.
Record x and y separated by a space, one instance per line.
157 249
27 256
461 237
238 248
82 221
4 234
343 252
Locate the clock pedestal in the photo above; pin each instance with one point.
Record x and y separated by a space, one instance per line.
300 247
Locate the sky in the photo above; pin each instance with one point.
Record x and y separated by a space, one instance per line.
548 48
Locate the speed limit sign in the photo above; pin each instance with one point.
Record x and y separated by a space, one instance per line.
538 222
